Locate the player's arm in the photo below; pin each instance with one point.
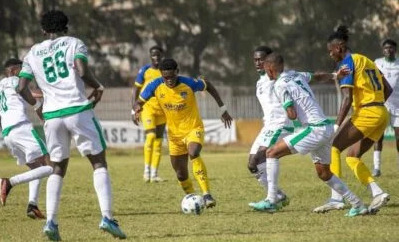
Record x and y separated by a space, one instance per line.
26 94
135 96
288 104
145 95
89 79
347 98
387 88
323 77
225 116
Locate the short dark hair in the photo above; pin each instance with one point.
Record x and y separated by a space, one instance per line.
390 42
342 33
156 47
275 58
54 21
263 48
12 62
168 64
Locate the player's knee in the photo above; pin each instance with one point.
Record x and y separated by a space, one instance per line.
323 172
149 138
271 153
252 164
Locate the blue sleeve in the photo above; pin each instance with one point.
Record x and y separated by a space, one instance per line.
149 90
195 84
140 75
348 80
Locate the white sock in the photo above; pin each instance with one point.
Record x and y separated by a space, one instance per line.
377 159
336 184
54 187
34 187
272 167
374 188
154 172
280 194
37 173
102 184
336 196
261 175
147 170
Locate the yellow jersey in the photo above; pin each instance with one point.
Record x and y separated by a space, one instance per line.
145 75
178 104
365 79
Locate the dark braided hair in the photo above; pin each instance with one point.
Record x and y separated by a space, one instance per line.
342 33
156 47
54 21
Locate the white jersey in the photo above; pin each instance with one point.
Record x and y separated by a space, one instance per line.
51 63
292 89
390 70
274 116
12 106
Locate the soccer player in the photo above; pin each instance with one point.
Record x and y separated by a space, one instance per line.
389 66
22 140
176 96
295 95
152 117
59 65
366 90
276 125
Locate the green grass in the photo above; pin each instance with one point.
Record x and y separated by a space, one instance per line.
151 212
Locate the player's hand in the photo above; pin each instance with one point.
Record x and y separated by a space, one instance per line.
136 118
96 94
226 119
342 72
136 113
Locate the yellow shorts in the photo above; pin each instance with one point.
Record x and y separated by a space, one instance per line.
152 117
179 145
371 121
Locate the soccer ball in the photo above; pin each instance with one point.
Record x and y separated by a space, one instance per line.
192 204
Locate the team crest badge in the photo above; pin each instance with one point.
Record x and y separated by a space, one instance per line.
183 95
162 95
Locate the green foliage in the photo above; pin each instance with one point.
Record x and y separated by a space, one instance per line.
151 212
212 37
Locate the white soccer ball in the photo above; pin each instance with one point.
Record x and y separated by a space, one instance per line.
192 204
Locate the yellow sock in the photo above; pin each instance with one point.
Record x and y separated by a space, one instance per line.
187 186
361 171
149 140
200 174
335 165
156 156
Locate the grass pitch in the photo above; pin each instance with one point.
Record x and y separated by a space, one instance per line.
151 212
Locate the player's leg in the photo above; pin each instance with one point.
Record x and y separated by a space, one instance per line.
321 157
156 150
362 173
377 157
395 125
26 146
200 173
272 203
325 174
89 139
180 165
148 121
257 161
58 144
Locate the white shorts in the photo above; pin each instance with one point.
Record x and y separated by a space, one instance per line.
315 140
268 138
394 121
83 127
25 144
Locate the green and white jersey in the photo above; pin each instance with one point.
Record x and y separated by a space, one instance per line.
12 106
51 63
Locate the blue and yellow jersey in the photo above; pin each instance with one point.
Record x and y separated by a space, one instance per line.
365 79
145 75
178 103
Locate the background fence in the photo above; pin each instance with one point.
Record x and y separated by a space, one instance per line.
116 103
